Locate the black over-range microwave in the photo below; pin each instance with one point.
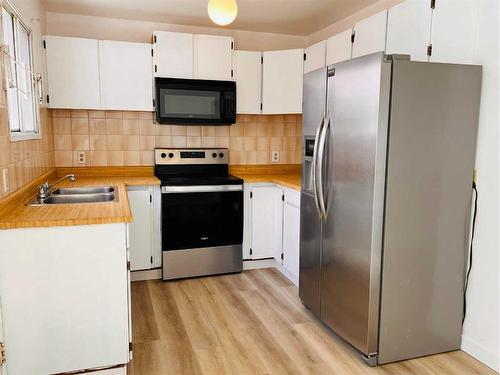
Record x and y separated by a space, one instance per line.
195 101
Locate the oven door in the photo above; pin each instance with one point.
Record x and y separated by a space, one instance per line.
201 216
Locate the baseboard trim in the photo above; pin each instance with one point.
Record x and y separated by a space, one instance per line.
259 263
154 274
294 279
270 263
481 353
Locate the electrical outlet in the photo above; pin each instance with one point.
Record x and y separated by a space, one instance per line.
5 178
275 156
81 157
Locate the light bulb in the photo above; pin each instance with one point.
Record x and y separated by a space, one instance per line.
222 12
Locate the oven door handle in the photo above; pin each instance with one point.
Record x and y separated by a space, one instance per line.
200 189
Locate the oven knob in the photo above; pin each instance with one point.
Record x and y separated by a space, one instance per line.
214 155
163 155
170 155
221 155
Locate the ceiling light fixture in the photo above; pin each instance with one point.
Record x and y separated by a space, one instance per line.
222 12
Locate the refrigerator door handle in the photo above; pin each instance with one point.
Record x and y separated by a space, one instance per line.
327 196
314 166
321 156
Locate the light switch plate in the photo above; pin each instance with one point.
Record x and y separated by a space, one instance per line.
275 156
81 157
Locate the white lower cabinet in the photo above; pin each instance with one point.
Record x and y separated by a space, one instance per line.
291 232
264 221
144 231
272 221
66 290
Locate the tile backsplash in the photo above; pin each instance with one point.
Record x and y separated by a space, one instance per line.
125 138
25 160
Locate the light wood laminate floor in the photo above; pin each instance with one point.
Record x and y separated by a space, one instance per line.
249 323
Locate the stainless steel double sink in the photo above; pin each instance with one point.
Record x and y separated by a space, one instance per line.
84 194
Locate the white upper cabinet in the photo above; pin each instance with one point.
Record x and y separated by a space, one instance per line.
339 47
248 75
408 29
315 56
73 72
125 71
173 54
370 35
453 35
283 73
213 56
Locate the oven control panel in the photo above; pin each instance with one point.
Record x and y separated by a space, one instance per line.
166 156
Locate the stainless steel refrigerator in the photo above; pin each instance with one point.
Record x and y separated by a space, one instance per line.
389 151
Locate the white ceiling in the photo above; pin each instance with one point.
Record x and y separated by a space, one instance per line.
295 17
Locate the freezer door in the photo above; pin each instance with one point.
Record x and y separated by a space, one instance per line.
310 225
310 254
358 105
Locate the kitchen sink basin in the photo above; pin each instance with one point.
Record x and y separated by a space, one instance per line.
85 190
79 198
79 195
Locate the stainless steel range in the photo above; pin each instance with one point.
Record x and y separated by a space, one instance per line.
202 213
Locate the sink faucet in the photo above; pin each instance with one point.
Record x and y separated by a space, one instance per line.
44 189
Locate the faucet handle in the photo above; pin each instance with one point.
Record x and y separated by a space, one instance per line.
43 190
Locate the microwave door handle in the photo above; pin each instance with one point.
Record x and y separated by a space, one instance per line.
314 166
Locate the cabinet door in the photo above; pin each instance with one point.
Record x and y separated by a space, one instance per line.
140 230
73 72
453 35
248 74
370 35
157 250
291 238
265 222
409 29
315 56
282 78
125 76
339 47
213 57
173 54
291 231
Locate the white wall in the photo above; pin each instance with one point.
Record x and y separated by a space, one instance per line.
141 31
481 330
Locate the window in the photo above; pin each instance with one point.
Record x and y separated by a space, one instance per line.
21 80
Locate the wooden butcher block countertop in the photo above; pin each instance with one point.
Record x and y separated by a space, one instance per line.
286 175
17 214
291 180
